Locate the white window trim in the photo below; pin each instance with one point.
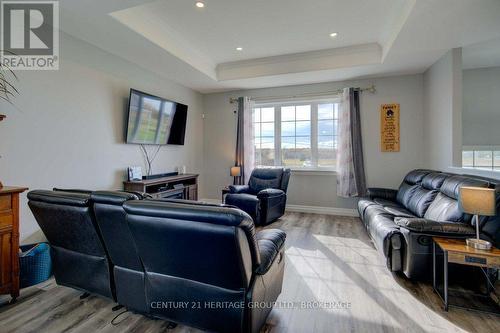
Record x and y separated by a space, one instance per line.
278 104
473 149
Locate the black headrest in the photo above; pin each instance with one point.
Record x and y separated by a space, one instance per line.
451 186
416 176
60 198
112 197
72 190
181 211
434 180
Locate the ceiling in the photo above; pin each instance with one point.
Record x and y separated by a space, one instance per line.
284 42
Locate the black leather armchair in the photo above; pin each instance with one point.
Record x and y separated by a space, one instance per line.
264 198
79 256
210 257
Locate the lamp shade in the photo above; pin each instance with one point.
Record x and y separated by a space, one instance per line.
478 201
235 171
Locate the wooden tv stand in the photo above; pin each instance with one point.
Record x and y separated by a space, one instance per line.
175 187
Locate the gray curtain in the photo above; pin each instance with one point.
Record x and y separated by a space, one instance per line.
351 181
245 150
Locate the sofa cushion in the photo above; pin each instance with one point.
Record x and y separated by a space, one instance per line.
398 211
264 178
420 201
444 208
451 186
434 227
434 180
416 176
386 203
405 193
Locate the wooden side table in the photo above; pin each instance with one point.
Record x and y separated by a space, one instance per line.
9 240
456 251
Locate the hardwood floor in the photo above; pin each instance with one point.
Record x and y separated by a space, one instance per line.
329 259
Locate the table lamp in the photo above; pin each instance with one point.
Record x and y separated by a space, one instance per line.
478 201
235 172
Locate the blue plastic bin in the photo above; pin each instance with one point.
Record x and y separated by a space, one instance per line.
35 265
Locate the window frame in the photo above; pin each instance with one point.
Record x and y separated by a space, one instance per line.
473 150
313 102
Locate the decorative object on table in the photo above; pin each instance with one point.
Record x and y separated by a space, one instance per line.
34 263
134 173
235 173
9 240
456 251
181 170
478 201
389 127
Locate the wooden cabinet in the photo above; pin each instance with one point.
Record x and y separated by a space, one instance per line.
173 187
9 240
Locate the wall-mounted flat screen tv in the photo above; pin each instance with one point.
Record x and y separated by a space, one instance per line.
153 120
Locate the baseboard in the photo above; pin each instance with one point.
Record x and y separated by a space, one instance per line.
309 209
322 210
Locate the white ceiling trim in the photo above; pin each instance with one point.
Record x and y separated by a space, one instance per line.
351 56
140 20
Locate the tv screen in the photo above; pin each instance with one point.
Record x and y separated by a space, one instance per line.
154 120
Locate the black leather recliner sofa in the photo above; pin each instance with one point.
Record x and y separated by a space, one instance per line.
208 256
402 222
128 273
264 198
148 253
79 256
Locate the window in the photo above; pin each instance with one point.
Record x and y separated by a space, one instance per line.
296 135
485 157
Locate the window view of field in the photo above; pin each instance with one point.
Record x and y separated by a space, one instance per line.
305 136
149 120
483 158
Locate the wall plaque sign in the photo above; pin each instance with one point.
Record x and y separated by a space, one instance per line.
389 127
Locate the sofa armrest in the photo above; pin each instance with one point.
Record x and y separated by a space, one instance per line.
238 189
269 193
382 193
435 227
270 242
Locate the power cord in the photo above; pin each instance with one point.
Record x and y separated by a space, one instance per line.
149 159
114 323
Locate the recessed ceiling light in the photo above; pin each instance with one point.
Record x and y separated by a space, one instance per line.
239 49
333 34
199 4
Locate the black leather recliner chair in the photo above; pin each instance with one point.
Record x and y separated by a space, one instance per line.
79 256
210 257
264 198
402 222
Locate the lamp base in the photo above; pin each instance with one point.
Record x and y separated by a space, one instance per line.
478 244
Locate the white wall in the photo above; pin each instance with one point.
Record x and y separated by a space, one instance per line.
481 108
443 112
382 169
66 128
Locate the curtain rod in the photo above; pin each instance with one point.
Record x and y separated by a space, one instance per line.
333 92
